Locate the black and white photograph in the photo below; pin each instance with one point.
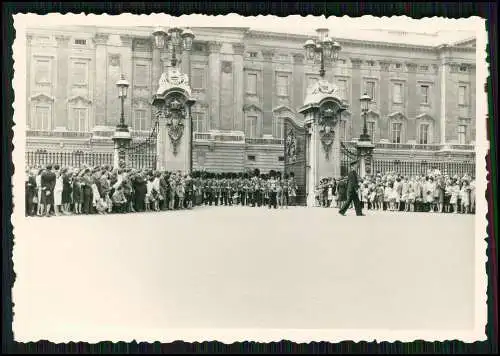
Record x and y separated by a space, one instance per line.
238 178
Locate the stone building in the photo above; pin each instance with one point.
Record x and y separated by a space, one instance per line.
245 81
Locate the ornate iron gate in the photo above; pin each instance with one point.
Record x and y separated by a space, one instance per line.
295 147
142 153
348 154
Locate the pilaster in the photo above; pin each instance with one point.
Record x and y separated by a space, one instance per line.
238 50
412 101
268 92
101 65
214 83
298 80
62 89
356 94
385 97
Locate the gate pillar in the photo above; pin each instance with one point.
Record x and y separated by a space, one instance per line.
322 109
172 106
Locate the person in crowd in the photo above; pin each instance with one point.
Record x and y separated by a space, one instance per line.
67 190
31 192
90 190
119 200
58 191
352 191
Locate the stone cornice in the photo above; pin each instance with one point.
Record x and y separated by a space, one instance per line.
356 62
412 67
214 47
126 40
298 58
101 38
238 48
267 54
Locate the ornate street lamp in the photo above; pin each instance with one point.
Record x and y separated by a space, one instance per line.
322 49
365 105
175 40
122 85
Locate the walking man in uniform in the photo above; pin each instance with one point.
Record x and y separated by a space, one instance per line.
352 191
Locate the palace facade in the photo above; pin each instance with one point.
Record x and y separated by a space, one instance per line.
245 82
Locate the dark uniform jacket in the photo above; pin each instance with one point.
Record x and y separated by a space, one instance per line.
352 182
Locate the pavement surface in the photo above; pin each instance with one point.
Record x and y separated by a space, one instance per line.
237 267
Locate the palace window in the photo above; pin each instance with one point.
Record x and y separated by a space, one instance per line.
423 134
424 92
140 120
42 118
397 93
398 65
251 127
424 68
370 89
197 78
282 84
277 128
462 95
370 63
251 157
371 130
80 42
396 132
253 54
252 83
342 85
462 138
281 159
79 119
141 75
463 68
80 73
199 122
42 71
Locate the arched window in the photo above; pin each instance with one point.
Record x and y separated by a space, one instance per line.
78 114
397 128
425 129
41 113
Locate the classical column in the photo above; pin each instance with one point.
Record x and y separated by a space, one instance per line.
268 92
412 102
298 79
61 105
313 150
186 64
356 94
384 104
214 82
238 50
100 91
157 68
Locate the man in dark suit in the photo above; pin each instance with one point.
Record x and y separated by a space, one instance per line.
352 191
48 183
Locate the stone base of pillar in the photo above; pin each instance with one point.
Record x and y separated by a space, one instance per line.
365 154
121 140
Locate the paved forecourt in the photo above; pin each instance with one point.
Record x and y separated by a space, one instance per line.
239 267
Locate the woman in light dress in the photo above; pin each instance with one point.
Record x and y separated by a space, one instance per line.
465 198
58 190
454 191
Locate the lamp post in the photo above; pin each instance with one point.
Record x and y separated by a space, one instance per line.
175 39
122 136
122 86
365 104
322 48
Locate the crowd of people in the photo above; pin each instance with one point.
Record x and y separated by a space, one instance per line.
434 191
54 190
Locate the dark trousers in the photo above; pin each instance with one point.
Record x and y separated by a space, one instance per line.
120 208
352 198
272 200
225 198
87 200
